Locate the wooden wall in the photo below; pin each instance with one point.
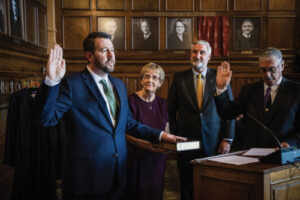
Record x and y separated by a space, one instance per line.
278 21
22 57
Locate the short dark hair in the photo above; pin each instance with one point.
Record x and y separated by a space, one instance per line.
89 41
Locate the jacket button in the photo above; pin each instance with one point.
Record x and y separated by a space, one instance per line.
115 155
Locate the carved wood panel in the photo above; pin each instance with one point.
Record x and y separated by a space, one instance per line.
31 24
281 32
75 29
282 5
76 4
180 5
247 5
214 5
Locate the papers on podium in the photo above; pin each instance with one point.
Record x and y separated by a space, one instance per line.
235 160
179 146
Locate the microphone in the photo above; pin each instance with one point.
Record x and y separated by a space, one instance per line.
265 128
281 156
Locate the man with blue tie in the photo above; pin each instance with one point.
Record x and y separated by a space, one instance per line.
274 101
95 109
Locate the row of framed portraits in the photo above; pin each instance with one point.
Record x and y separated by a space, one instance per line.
179 32
15 14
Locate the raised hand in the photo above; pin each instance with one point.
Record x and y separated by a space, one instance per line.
56 66
223 75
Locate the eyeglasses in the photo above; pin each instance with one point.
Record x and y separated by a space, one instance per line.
154 77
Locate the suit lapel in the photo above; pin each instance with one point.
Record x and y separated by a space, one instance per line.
259 100
117 92
189 89
94 90
209 87
278 101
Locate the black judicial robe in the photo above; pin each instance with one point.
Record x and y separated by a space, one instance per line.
35 152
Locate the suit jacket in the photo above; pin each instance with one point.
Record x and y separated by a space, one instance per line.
150 44
175 43
95 151
283 118
186 119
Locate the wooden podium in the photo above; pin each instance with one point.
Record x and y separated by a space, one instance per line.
255 181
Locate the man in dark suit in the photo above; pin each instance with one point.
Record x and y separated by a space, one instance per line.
97 116
193 114
274 101
145 39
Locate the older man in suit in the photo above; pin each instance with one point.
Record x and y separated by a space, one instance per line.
95 108
193 114
274 101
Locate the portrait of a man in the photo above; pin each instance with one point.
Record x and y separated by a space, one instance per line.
246 33
2 16
145 34
16 18
179 34
115 27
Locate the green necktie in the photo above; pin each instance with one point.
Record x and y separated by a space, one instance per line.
110 98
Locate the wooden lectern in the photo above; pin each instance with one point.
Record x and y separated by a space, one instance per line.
254 181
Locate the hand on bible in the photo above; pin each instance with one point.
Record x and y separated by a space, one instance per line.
223 75
56 66
167 137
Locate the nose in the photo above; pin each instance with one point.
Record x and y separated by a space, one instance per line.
110 53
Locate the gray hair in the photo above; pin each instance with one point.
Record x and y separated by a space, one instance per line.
271 52
154 67
204 43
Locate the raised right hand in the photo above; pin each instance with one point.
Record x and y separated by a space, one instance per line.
56 65
223 75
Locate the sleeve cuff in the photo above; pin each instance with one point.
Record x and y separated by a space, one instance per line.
218 91
160 135
50 83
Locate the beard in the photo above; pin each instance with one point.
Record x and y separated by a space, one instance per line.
106 66
198 64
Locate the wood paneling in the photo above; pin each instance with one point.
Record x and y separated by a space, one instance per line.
179 5
42 28
145 4
282 5
76 4
31 24
214 5
281 32
247 5
111 4
75 29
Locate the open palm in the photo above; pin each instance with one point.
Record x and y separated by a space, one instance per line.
56 66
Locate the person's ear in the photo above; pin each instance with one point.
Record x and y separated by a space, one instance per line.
89 56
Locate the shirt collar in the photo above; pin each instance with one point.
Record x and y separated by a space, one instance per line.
203 74
98 77
273 87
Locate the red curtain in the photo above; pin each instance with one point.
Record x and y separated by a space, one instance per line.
215 31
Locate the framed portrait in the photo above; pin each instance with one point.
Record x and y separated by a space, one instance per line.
115 26
16 18
145 34
246 33
111 4
145 4
179 33
2 16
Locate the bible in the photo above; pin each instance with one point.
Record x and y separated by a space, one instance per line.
179 145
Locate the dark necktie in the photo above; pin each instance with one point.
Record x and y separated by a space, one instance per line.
110 98
267 99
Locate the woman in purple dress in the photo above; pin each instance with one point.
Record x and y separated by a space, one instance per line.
146 163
